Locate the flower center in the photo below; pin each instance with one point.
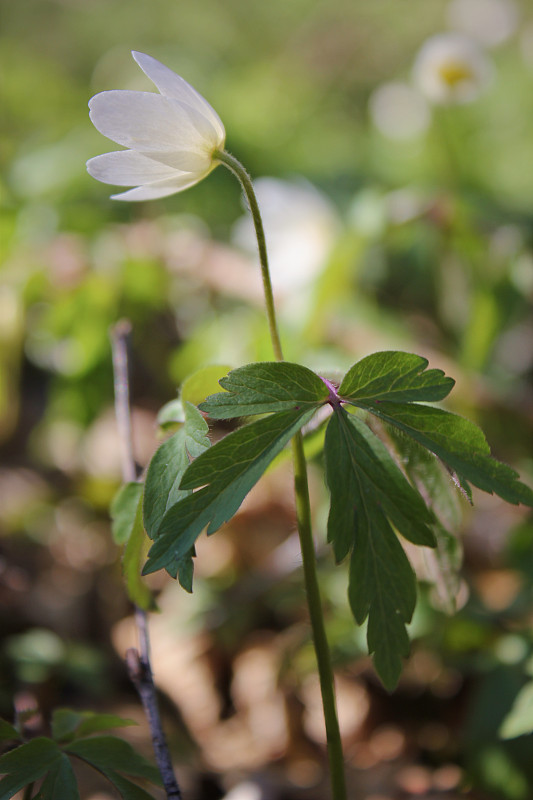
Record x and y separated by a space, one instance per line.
455 72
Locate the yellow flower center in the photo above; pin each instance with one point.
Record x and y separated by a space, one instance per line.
454 72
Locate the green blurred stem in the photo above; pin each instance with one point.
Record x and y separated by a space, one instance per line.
303 511
28 791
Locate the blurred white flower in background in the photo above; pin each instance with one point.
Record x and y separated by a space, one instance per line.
301 226
489 22
399 111
171 136
451 68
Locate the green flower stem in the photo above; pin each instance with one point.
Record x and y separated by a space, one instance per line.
303 511
325 670
246 182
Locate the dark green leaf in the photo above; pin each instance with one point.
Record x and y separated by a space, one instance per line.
167 467
460 444
127 789
366 458
367 490
124 510
395 376
26 764
264 387
7 731
69 724
109 754
60 782
226 472
162 485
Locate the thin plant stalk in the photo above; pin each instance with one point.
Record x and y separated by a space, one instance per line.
138 661
303 510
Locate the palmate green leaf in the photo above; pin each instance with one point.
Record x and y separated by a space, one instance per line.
69 724
268 386
60 782
368 493
354 454
7 731
227 472
113 756
394 376
458 443
27 763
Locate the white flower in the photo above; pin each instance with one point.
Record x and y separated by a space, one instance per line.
398 111
490 22
301 227
451 68
171 137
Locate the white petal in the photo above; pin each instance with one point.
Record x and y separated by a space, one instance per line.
128 168
172 85
151 123
152 191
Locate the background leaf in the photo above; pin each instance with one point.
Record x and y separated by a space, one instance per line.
203 382
519 720
264 387
124 510
128 529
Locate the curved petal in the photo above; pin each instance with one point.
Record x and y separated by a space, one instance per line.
151 123
184 161
128 168
152 191
172 85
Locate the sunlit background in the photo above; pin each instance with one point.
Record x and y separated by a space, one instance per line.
392 144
